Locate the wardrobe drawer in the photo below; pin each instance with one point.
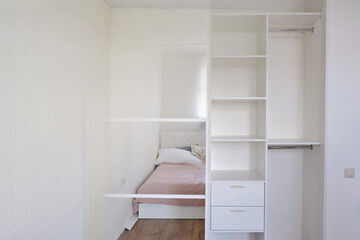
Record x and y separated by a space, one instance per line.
237 194
247 219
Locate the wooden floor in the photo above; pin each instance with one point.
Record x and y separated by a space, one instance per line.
166 229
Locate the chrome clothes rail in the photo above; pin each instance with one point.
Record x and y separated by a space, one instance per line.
311 147
292 29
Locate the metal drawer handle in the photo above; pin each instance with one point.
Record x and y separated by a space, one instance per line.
237 210
237 186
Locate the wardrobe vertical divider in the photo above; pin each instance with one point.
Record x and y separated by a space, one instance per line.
237 127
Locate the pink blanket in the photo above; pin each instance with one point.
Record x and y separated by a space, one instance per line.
174 179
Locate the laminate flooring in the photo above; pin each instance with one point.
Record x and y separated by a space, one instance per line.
166 229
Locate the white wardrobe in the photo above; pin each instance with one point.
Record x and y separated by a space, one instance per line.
261 66
266 126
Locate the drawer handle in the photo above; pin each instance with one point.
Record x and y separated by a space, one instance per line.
237 210
237 186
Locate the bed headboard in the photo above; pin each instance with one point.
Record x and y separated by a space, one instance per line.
181 139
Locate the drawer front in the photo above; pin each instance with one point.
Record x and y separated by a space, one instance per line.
247 219
237 194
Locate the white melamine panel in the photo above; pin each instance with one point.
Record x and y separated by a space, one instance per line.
249 219
230 44
292 142
235 138
238 35
285 194
236 175
314 84
233 155
237 194
286 85
233 119
246 156
238 119
237 23
233 82
297 20
216 235
268 5
238 77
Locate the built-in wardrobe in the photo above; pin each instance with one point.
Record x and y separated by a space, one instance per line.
265 126
250 75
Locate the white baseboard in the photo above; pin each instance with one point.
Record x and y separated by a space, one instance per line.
131 222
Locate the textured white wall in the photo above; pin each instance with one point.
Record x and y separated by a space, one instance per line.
53 56
343 114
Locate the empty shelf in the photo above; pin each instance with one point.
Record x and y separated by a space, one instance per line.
292 142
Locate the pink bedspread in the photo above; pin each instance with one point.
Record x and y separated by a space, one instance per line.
174 179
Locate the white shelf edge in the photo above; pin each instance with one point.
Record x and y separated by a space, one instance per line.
235 231
242 181
268 14
238 56
215 138
240 99
238 140
156 120
292 142
127 42
162 196
236 176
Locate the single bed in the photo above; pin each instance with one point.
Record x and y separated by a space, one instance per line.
174 179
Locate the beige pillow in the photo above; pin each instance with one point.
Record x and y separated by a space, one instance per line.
199 152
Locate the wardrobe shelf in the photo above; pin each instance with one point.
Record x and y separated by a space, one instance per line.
235 13
239 99
156 120
239 56
227 138
292 142
293 20
235 175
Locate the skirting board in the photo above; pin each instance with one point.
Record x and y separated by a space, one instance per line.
131 222
161 211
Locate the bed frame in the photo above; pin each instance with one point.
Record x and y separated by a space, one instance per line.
162 211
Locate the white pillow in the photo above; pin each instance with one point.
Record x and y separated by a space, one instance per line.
178 156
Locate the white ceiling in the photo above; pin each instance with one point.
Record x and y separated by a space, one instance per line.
196 4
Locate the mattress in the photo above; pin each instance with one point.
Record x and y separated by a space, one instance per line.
174 179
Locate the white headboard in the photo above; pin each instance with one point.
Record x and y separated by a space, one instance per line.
181 139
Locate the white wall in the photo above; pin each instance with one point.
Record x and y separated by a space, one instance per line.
53 57
343 118
141 40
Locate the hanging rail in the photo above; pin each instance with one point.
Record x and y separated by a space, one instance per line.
311 147
292 29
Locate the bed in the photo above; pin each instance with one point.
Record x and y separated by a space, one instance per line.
170 178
